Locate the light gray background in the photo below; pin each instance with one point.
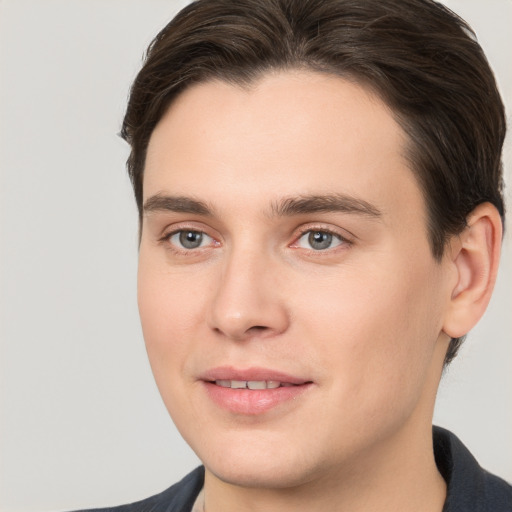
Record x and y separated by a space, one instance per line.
82 423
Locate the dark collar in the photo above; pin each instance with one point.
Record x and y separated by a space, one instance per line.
470 488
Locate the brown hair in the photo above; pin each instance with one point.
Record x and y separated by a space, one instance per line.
417 55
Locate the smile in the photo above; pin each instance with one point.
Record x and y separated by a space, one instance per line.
253 391
252 384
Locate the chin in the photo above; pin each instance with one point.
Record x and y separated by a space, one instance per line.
267 476
269 465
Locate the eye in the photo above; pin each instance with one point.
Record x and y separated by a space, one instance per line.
188 239
319 240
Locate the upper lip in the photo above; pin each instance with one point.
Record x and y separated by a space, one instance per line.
251 374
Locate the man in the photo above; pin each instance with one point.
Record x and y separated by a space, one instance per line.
320 197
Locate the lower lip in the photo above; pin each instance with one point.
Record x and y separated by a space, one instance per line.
252 402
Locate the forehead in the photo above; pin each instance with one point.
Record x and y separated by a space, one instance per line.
289 133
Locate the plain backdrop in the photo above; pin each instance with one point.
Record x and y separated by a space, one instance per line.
81 422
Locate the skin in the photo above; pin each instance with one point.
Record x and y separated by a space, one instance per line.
367 320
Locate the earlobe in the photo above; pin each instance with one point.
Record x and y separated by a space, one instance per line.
475 258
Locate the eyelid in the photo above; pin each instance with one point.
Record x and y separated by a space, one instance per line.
344 241
343 234
174 229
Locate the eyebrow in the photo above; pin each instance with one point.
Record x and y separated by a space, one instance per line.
178 204
324 204
287 207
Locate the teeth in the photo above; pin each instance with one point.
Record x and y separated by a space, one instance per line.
252 384
256 384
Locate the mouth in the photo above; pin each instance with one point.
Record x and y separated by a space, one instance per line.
253 384
253 391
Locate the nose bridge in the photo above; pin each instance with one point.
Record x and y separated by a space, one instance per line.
247 302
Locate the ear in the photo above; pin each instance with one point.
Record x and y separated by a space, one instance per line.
475 255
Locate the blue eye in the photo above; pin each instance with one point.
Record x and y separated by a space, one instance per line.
189 239
319 240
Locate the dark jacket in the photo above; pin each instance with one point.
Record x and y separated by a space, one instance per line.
470 488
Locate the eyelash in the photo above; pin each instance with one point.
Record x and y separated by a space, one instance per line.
343 241
166 239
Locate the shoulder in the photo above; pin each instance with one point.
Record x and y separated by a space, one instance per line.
498 493
178 498
470 487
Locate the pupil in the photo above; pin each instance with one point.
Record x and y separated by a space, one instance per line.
320 240
191 239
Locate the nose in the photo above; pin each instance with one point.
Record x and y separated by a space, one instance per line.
248 301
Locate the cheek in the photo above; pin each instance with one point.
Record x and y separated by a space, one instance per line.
376 331
169 307
168 311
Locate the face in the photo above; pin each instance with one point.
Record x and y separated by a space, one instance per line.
291 307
